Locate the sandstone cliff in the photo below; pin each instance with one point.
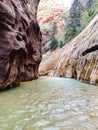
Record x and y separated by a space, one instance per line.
51 12
20 42
77 59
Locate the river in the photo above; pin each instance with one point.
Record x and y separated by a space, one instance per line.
50 103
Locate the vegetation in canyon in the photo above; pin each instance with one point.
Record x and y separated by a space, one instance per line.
48 103
79 57
80 16
71 22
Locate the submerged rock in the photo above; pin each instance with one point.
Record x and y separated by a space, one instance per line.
20 42
77 59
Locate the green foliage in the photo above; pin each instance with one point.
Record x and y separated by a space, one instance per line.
53 27
54 44
61 44
79 18
42 27
73 23
89 14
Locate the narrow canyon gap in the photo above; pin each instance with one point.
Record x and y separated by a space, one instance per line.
20 42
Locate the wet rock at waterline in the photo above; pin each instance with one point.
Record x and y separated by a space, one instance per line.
78 58
20 42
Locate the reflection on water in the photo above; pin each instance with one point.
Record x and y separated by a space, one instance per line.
50 104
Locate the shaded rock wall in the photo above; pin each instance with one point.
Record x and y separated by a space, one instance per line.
78 58
20 42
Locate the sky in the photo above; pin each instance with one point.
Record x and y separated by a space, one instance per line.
65 2
68 3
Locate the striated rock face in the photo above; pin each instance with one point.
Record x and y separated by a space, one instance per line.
20 42
78 58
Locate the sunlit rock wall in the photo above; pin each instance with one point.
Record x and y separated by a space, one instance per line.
20 42
78 58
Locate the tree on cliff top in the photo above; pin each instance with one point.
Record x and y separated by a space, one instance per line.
81 13
73 23
54 41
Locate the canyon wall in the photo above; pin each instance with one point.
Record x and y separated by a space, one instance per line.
20 42
52 16
78 58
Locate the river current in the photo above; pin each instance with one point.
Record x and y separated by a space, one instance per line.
50 104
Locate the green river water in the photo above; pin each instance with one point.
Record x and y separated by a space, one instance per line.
50 104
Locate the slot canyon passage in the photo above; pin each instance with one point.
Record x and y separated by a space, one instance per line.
46 103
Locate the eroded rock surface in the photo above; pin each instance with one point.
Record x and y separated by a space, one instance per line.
78 58
20 42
